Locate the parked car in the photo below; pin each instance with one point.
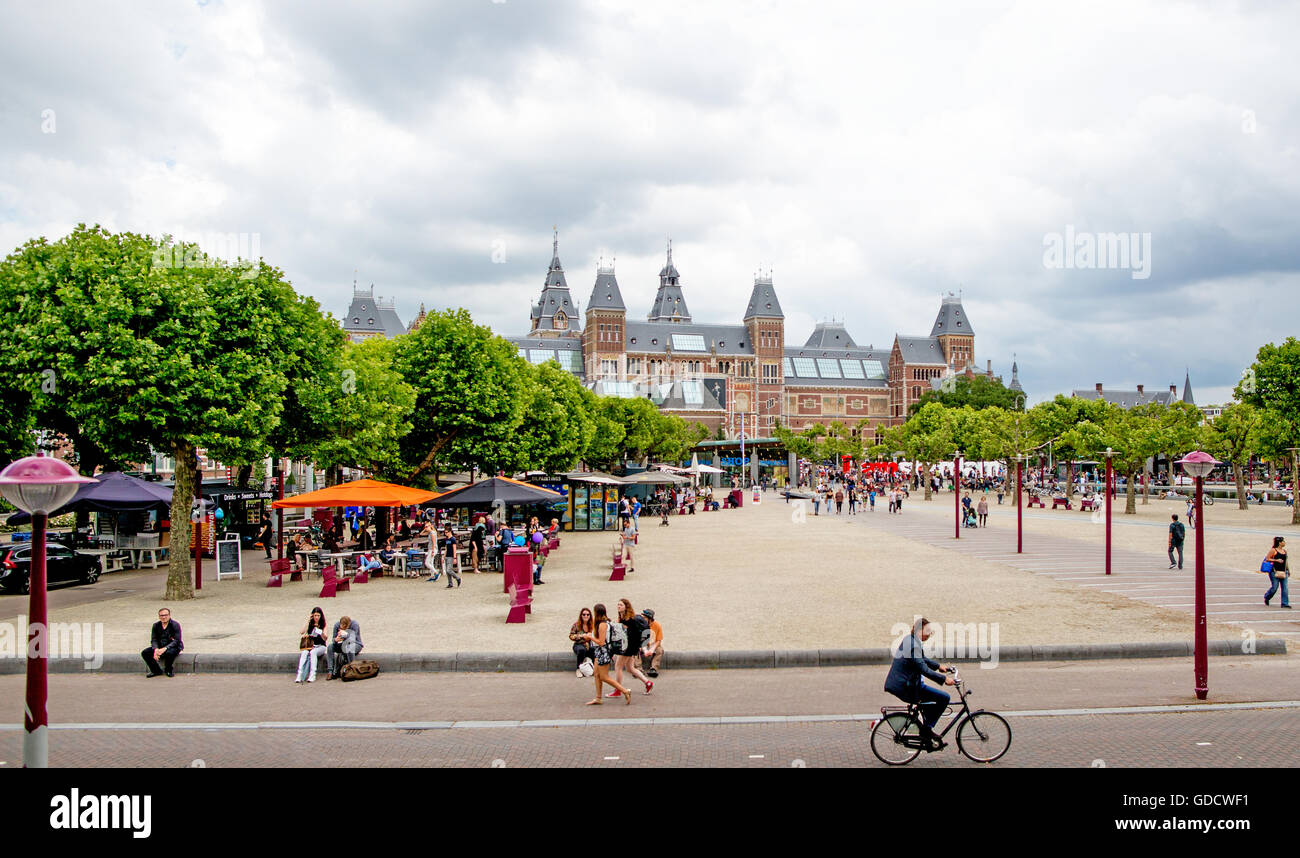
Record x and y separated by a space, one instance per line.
62 565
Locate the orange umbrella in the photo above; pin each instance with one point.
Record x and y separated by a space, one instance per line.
358 493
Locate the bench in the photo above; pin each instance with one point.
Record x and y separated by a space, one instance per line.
1035 500
280 568
333 583
1088 505
1059 502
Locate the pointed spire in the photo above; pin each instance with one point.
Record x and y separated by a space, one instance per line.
1187 387
670 253
1015 375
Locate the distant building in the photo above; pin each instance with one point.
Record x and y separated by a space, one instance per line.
1140 396
370 316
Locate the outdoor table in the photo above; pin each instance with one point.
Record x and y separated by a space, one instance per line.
338 564
108 559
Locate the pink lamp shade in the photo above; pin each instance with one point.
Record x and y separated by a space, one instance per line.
40 484
1198 463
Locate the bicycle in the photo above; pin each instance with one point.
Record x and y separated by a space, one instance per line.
899 736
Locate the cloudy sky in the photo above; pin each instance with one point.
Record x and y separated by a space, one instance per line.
874 156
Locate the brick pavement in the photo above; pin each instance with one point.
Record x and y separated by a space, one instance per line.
1233 597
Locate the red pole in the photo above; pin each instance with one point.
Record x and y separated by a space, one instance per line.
198 554
1201 662
36 749
1020 506
280 513
1109 477
956 493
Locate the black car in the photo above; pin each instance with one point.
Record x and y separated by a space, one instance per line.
62 565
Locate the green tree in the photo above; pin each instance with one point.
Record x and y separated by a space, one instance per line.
1272 385
1232 437
558 426
927 437
978 392
1134 435
469 387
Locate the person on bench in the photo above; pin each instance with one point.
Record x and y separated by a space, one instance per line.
345 643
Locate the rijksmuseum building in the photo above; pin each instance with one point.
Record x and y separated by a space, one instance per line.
743 375
733 376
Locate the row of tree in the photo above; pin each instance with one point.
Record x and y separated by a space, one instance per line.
1263 424
124 345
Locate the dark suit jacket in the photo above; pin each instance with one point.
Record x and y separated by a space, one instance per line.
910 664
169 638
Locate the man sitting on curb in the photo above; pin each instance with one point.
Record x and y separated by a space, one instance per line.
165 644
345 643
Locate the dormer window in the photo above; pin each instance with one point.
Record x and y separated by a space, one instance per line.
371 321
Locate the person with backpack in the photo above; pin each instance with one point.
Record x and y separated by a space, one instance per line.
1278 572
652 652
635 628
601 641
1176 535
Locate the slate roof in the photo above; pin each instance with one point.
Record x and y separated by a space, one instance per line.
1015 378
922 350
762 301
567 351
1187 389
555 297
367 314
794 379
655 337
952 318
605 294
669 302
830 335
1126 398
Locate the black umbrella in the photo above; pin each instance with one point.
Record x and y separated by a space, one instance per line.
502 490
111 492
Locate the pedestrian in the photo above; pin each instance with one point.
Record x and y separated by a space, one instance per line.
600 642
817 500
983 510
164 645
853 499
579 634
1176 534
893 499
449 560
898 501
871 496
476 537
1280 573
636 511
628 538
652 654
1191 513
264 534
312 646
839 501
638 629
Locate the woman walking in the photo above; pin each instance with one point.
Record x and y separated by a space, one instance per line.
599 640
312 646
579 633
983 510
1280 573
630 658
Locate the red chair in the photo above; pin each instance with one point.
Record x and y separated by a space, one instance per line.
280 568
333 583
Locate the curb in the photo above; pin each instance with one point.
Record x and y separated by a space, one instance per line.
534 662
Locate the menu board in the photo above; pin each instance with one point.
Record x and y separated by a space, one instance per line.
229 560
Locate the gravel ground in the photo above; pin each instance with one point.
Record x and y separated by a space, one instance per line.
739 579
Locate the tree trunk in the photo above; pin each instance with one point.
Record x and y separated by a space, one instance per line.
1295 489
1240 479
1069 479
243 475
926 479
1146 487
1130 506
427 462
179 585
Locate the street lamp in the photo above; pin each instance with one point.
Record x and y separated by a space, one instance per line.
1110 473
1198 465
1020 504
38 485
956 491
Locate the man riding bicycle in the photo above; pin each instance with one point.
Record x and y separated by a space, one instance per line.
904 680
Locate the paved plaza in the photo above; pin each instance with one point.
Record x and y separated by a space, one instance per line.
1135 713
767 576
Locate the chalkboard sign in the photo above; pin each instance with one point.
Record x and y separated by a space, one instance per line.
229 561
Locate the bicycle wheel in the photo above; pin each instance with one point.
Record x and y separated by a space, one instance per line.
888 735
984 736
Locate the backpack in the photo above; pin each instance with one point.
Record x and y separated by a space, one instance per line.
1178 531
615 637
354 670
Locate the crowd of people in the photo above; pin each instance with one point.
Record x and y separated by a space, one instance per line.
628 641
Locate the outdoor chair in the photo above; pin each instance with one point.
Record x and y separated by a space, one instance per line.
333 583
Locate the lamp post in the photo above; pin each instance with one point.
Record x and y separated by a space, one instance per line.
1110 473
38 485
1020 504
1198 465
956 492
